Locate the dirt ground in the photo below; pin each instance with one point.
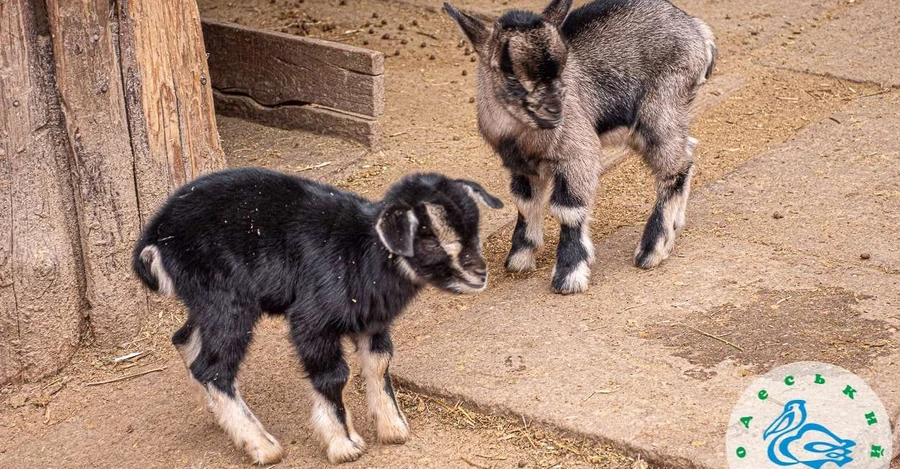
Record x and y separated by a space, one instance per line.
428 125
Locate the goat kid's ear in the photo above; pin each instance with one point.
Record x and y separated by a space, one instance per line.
473 28
396 227
555 13
479 194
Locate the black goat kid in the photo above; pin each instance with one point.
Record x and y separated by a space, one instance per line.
236 244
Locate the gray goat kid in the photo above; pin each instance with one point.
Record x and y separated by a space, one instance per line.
554 87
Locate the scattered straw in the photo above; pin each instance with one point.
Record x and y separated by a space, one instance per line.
122 378
711 336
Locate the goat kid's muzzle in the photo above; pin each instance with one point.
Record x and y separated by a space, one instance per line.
548 116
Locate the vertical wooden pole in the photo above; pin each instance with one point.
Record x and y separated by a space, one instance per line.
168 96
105 107
40 272
89 81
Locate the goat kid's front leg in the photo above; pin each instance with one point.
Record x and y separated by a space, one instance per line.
529 193
574 186
329 373
673 187
375 352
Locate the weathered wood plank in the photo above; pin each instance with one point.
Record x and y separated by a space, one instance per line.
169 104
275 68
292 117
89 82
168 97
40 297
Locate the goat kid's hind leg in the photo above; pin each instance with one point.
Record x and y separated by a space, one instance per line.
323 360
187 341
672 163
529 193
213 352
375 354
574 186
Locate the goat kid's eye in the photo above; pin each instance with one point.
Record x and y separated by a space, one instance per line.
430 244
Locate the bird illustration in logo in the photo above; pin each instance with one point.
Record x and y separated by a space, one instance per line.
793 441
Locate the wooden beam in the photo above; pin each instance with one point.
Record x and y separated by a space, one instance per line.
275 69
291 117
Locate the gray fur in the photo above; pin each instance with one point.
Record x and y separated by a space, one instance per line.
627 71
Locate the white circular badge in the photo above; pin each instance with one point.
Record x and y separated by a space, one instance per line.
809 415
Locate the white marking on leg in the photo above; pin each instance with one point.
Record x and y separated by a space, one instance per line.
665 243
189 352
243 427
673 219
587 242
151 256
577 280
534 227
572 216
521 261
332 434
390 423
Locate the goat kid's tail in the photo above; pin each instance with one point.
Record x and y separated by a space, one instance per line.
148 266
711 51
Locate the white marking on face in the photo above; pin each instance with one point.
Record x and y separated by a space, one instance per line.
466 288
407 271
449 239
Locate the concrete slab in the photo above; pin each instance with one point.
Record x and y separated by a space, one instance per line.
861 44
834 190
625 361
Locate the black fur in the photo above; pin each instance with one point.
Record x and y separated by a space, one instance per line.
519 240
520 20
515 160
520 186
243 242
583 17
569 253
561 195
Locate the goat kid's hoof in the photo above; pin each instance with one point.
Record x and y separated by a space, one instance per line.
394 431
568 281
346 449
650 258
520 261
264 451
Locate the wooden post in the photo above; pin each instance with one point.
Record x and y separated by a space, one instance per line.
41 281
104 108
